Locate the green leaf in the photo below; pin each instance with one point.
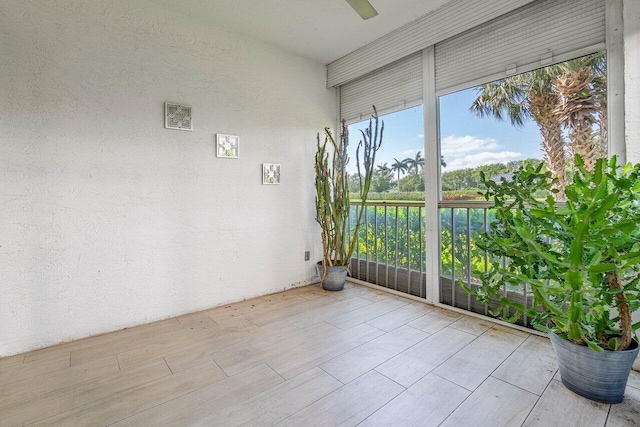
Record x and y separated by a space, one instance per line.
607 232
630 255
597 176
542 328
542 294
571 194
539 213
574 332
575 309
564 212
573 278
631 262
601 268
624 183
606 205
614 344
465 287
594 346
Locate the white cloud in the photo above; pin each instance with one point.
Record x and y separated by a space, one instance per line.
421 136
407 152
470 151
453 145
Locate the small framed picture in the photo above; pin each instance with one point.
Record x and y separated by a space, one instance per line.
177 116
227 146
270 173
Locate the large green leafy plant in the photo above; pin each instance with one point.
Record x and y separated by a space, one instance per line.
580 259
332 188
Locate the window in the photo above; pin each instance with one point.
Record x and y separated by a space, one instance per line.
400 161
391 250
546 115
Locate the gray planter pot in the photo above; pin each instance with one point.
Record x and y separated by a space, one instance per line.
335 278
598 376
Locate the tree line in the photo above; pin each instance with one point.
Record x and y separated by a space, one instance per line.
387 178
469 178
384 180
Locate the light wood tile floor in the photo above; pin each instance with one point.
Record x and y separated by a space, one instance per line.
304 357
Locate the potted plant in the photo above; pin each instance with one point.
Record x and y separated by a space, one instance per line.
581 262
332 197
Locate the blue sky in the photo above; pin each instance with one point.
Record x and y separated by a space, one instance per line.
466 140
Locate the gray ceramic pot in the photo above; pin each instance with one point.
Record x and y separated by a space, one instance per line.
598 376
335 278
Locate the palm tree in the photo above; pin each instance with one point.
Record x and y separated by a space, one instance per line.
383 168
542 108
578 110
528 96
399 166
583 104
416 163
554 96
382 179
504 97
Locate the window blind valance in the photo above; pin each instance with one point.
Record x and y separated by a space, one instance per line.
535 35
392 87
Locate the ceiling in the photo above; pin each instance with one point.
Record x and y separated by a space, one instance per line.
321 30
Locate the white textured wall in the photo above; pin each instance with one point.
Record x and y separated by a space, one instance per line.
109 220
631 16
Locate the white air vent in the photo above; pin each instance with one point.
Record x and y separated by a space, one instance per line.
270 173
177 116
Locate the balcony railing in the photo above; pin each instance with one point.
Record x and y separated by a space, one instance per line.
391 251
461 222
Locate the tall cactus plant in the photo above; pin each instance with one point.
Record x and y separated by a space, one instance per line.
332 188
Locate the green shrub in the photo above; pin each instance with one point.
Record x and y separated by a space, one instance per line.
417 196
468 194
581 260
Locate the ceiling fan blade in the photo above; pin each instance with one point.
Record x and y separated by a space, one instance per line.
363 8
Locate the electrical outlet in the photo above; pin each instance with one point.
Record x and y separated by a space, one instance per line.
307 255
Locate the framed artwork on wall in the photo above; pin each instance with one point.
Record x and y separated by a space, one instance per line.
227 146
177 116
270 173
